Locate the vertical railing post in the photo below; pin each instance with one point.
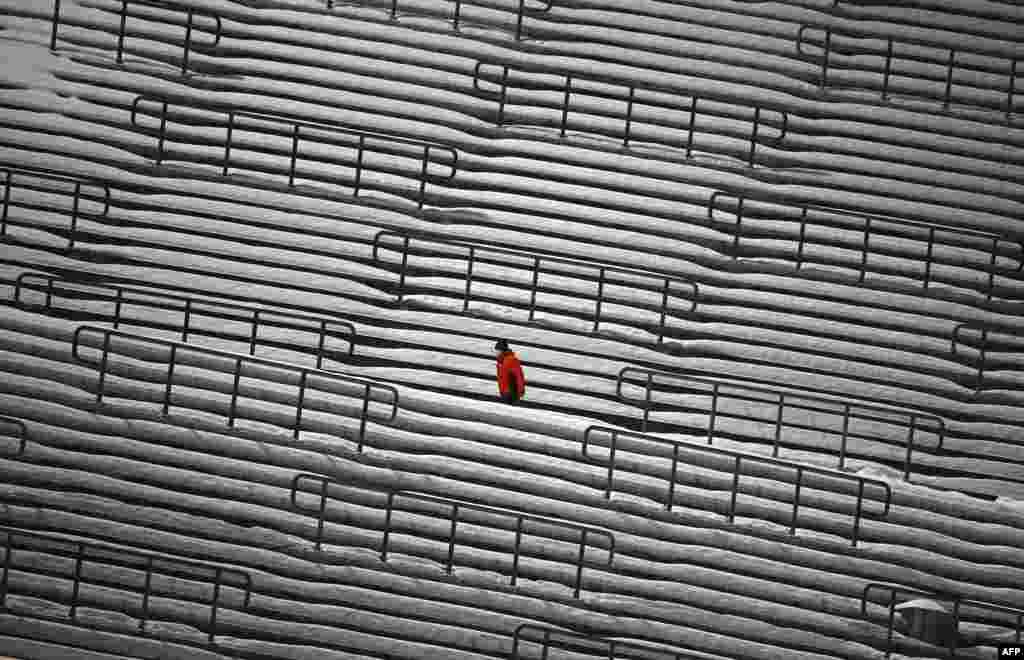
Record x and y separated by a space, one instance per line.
546 644
255 331
423 176
753 135
457 15
145 593
846 435
295 154
928 257
121 31
533 288
796 499
503 99
170 378
1011 86
949 78
612 446
469 280
188 42
982 352
825 56
233 406
888 69
227 142
299 404
362 419
6 567
910 447
778 424
803 238
359 165
7 201
163 134
77 585
600 297
75 202
49 293
951 642
693 123
864 250
519 19
565 104
104 358
670 500
992 269
118 306
451 538
579 562
394 9
736 469
515 550
188 320
892 622
647 402
629 115
321 513
664 311
714 413
387 526
858 512
218 576
321 344
56 22
738 231
405 265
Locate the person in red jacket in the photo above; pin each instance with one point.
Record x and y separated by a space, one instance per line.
511 382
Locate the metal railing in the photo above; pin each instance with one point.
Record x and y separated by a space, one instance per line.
190 26
590 645
780 400
119 297
873 225
332 137
949 63
21 436
984 333
76 194
149 564
537 264
570 85
894 592
371 391
523 9
737 460
521 523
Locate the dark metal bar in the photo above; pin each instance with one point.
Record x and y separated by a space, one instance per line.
394 9
778 424
423 175
320 344
359 165
405 265
321 513
647 402
56 22
864 250
612 446
295 154
892 621
846 433
49 293
163 134
118 306
6 569
218 576
234 393
629 115
362 419
546 646
227 141
982 354
738 231
77 586
928 258
255 331
565 104
387 526
519 19
664 311
753 135
170 379
803 238
188 42
670 499
145 593
910 447
7 200
74 217
188 320
858 513
504 91
469 280
824 59
533 288
579 562
101 378
951 641
992 269
949 78
600 299
796 499
714 412
121 31
451 539
735 487
1011 86
888 69
457 15
515 551
299 402
693 122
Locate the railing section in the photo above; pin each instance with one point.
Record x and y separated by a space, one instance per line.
190 25
669 294
737 462
726 399
143 565
523 9
633 103
892 593
547 638
370 391
872 226
19 435
329 147
984 345
40 182
525 524
185 315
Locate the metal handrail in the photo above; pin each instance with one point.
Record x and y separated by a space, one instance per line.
239 359
537 259
22 433
737 460
629 97
848 408
84 551
456 504
77 196
893 592
614 645
120 296
984 331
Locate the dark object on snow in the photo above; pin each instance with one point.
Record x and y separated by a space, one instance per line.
511 381
929 621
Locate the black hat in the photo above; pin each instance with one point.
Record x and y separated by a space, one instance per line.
501 345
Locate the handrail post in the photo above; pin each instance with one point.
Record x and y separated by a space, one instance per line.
299 402
565 102
321 513
387 526
103 369
992 269
664 311
600 297
504 94
778 424
56 22
825 57
738 459
362 419
519 19
75 202
423 176
170 378
185 326
218 577
612 446
951 642
6 568
629 115
672 477
803 238
255 331
145 593
232 407
118 306
693 122
796 499
402 268
846 435
469 280
515 555
295 155
227 142
737 233
949 78
451 539
7 200
533 288
928 258
753 135
647 401
910 447
579 562
188 42
321 341
858 513
121 31
713 414
888 69
864 249
457 15
1011 86
163 134
359 165
982 355
77 585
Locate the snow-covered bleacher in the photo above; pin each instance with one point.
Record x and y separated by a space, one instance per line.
255 255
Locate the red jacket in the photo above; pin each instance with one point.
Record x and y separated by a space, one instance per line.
510 375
